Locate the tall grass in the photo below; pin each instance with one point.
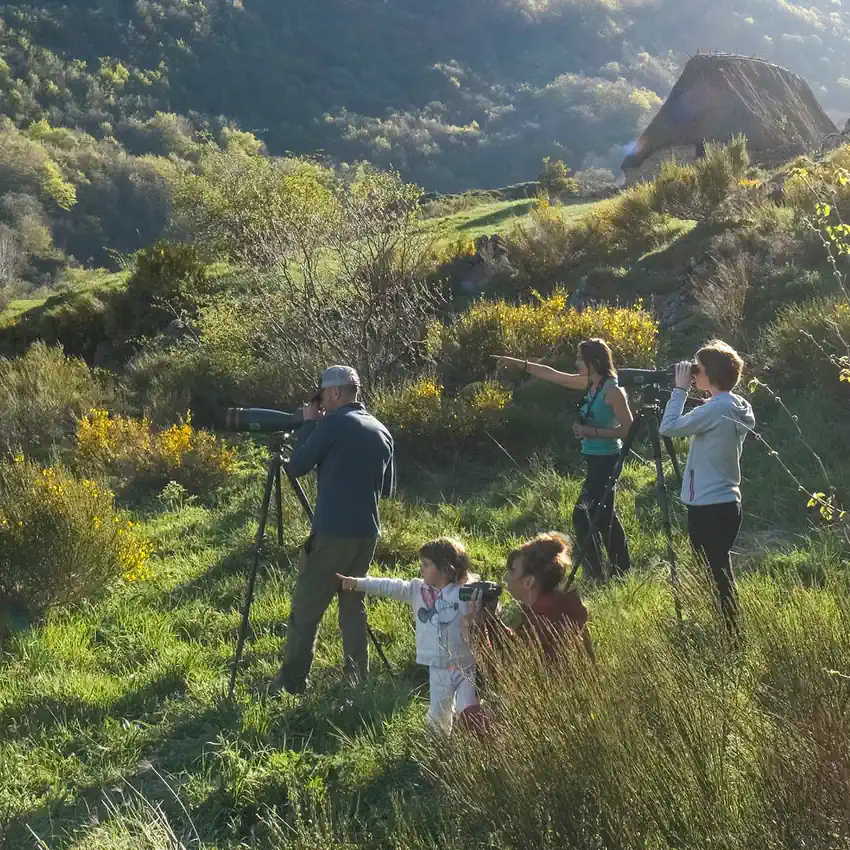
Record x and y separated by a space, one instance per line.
674 739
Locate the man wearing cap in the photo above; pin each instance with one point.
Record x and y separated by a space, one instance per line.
353 454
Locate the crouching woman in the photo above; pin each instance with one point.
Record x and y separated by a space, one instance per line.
551 617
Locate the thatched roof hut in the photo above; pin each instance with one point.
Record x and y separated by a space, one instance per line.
720 96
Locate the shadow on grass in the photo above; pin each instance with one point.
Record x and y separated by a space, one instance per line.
40 714
498 216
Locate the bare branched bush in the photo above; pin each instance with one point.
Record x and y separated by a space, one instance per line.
722 297
340 271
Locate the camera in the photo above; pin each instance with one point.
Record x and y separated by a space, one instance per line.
650 377
261 420
253 420
490 591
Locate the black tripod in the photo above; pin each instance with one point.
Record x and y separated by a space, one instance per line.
649 413
274 481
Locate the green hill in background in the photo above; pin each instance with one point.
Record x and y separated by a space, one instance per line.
454 93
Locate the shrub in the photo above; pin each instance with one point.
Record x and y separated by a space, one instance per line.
545 329
60 538
545 249
674 189
75 320
42 395
806 342
696 191
810 183
555 179
141 458
540 246
169 281
419 410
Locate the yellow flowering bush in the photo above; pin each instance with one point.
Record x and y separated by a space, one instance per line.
546 329
133 452
412 410
61 539
420 410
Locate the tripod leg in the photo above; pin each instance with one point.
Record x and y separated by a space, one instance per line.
579 556
671 450
274 469
664 505
299 492
278 501
379 649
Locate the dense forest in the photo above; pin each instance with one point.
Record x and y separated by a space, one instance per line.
102 98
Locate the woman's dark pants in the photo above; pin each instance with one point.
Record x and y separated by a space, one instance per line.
609 530
713 530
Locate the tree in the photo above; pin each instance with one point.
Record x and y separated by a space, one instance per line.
341 270
555 179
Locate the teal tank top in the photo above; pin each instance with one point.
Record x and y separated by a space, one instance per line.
598 413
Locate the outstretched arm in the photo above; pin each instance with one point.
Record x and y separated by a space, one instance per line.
392 588
545 373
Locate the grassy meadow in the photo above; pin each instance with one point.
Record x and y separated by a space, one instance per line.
128 530
116 730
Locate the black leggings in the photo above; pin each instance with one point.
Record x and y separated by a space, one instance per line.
609 530
713 530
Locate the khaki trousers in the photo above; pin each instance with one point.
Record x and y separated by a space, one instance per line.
321 559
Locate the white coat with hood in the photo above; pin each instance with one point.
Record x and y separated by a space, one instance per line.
719 427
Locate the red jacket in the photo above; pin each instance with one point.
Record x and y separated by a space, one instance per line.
552 618
550 621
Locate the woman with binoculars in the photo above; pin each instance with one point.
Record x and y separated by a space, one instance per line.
604 420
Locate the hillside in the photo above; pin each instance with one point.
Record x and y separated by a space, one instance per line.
455 94
126 530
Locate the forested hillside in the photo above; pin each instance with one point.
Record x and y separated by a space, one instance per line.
455 93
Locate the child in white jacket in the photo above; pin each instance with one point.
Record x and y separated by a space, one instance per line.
442 638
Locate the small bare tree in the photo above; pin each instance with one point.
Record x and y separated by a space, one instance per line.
343 269
370 298
723 296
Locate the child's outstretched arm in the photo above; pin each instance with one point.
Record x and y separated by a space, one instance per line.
394 588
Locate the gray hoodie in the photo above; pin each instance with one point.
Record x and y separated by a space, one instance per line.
713 472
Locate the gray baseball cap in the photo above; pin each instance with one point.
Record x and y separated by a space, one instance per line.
339 376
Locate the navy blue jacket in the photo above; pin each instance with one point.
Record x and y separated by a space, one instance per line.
353 453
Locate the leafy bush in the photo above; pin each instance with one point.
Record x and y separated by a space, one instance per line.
169 282
540 246
420 410
811 183
545 329
806 342
75 320
142 458
697 190
555 179
60 538
545 249
42 395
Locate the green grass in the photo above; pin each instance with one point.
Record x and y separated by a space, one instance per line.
497 217
76 281
120 709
